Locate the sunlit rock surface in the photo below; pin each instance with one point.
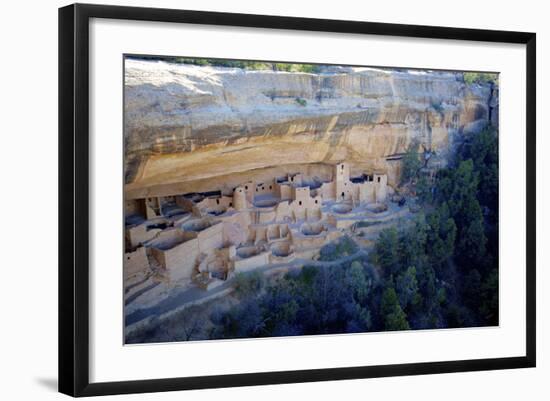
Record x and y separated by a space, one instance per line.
193 128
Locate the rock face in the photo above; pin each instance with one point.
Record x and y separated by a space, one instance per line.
193 128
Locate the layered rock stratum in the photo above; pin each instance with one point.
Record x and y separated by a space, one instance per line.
198 128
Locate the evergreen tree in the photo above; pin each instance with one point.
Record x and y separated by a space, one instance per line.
358 282
386 250
489 295
406 286
423 190
459 189
441 236
447 229
411 163
483 151
472 241
393 315
471 289
412 243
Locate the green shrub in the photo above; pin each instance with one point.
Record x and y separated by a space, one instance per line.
363 223
301 102
247 284
437 106
340 248
480 78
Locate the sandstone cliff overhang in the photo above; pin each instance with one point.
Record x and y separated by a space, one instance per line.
191 124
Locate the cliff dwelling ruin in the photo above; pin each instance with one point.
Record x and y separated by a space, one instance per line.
204 238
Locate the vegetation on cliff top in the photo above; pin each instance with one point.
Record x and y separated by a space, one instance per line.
244 64
469 77
481 78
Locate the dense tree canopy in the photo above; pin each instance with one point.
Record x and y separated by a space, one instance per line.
312 300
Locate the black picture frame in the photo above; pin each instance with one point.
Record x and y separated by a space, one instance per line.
74 198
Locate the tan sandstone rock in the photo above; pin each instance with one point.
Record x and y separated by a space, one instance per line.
190 128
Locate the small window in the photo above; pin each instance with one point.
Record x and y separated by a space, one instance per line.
315 201
217 201
378 179
300 203
263 188
343 194
230 204
342 166
270 187
246 187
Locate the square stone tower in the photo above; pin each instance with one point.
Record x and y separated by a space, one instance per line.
381 182
343 184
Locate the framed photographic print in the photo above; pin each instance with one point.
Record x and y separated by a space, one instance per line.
249 199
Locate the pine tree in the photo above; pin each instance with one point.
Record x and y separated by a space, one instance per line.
412 243
464 207
393 315
410 164
386 250
406 286
441 236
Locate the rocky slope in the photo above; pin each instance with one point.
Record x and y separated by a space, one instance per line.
191 128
